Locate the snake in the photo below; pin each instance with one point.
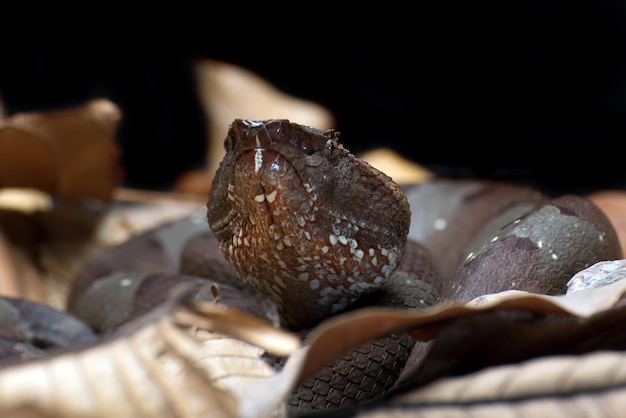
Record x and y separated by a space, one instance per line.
290 205
298 229
319 231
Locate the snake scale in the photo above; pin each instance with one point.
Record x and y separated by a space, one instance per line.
296 218
317 230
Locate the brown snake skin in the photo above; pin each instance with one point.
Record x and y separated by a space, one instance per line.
296 218
303 220
316 229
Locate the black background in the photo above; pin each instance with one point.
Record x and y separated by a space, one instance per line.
525 91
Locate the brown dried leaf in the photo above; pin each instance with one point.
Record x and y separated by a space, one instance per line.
581 303
487 339
500 393
68 154
338 334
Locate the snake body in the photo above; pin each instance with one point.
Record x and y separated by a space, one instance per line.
297 219
317 229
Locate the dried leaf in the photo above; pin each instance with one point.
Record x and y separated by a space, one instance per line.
164 364
487 339
51 164
582 303
338 334
19 276
234 359
150 369
519 390
599 274
138 376
25 200
587 385
590 385
67 154
239 325
9 283
234 363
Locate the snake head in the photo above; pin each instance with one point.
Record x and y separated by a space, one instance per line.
303 219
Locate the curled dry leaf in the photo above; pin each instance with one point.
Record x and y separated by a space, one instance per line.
487 339
583 304
56 167
167 364
590 385
550 385
152 367
237 324
599 274
19 276
336 335
9 283
234 358
66 153
546 386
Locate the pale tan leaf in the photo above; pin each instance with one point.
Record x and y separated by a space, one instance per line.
235 323
137 211
24 200
591 385
149 373
399 168
233 357
239 369
8 275
164 364
138 376
19 276
599 274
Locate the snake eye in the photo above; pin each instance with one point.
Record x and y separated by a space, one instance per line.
332 144
331 147
228 144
